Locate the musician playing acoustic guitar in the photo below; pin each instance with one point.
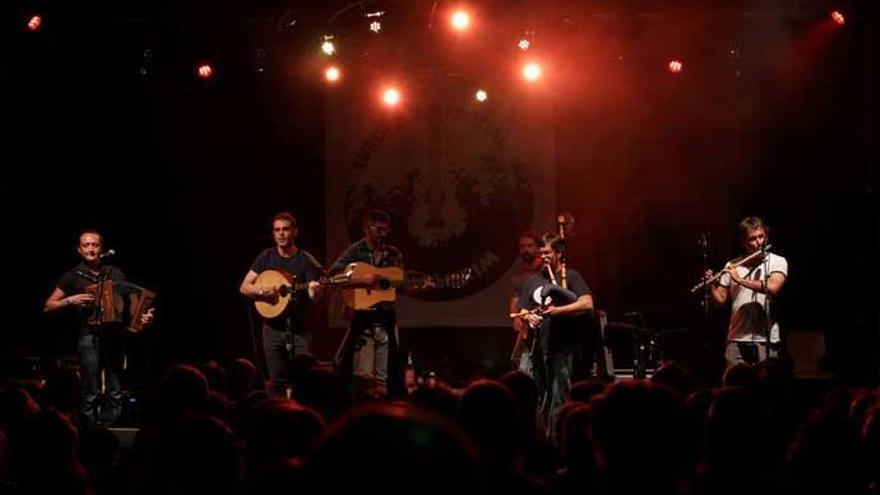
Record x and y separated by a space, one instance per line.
286 335
556 319
370 347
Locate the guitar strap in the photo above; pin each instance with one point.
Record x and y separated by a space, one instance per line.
87 276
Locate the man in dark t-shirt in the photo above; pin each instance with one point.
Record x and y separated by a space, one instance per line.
288 333
558 316
530 263
100 344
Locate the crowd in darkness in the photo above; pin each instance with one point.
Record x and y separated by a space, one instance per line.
209 428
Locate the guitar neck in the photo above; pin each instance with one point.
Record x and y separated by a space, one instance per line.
418 280
395 277
322 280
386 280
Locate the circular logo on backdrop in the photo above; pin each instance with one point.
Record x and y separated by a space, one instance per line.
457 202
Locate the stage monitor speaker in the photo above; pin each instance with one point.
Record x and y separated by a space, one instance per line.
125 436
807 350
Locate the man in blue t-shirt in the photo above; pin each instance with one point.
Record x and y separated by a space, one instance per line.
287 333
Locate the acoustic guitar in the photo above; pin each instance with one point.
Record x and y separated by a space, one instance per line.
287 286
388 280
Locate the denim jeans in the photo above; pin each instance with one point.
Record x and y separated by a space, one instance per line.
371 349
748 352
552 374
99 352
365 352
278 356
525 363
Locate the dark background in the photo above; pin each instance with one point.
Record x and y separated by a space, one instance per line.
775 114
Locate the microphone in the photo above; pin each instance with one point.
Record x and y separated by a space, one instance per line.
703 240
564 223
108 253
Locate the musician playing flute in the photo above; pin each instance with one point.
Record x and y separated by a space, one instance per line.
556 316
750 286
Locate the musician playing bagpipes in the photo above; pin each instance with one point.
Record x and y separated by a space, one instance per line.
554 303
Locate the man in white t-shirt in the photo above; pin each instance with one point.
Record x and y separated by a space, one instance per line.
748 286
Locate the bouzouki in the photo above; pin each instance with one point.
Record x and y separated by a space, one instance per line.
287 286
388 280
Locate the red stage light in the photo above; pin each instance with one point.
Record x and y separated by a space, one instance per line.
460 20
205 71
838 18
532 71
391 97
35 22
332 74
675 66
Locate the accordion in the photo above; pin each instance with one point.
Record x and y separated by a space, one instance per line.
120 302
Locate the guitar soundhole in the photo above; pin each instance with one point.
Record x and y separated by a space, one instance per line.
283 291
384 284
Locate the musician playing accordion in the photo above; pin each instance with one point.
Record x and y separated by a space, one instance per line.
100 340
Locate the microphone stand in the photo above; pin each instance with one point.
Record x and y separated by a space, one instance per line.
288 320
768 324
95 325
96 343
704 254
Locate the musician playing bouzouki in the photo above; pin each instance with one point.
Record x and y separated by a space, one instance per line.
555 314
370 347
286 335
